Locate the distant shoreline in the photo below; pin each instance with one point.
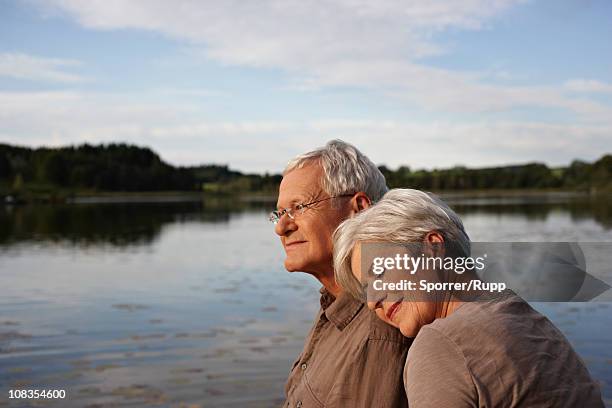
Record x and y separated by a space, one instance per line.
163 196
64 173
118 197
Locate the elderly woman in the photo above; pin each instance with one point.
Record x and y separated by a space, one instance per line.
478 351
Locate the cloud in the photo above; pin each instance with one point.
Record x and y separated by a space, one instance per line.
291 32
587 85
179 134
376 45
33 68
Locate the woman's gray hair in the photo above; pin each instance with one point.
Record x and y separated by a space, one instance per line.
401 216
346 170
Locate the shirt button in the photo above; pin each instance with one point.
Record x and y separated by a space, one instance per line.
298 404
304 365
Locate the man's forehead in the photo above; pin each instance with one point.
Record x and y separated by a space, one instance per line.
300 183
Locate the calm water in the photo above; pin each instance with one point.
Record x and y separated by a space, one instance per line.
187 304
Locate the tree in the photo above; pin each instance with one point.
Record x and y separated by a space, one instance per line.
54 169
5 166
18 182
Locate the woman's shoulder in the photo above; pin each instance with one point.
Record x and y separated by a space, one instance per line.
488 328
493 335
436 373
493 322
509 349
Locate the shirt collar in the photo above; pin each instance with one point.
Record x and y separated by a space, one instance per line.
340 311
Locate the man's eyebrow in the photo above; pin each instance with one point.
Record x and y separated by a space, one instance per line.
309 197
300 199
291 203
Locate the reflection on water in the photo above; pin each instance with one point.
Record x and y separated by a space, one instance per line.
539 208
187 302
116 224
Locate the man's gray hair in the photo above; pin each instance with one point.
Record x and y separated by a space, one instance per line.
401 216
346 170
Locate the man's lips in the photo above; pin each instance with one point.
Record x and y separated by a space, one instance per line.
393 309
293 244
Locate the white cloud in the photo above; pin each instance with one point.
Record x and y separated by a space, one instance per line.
62 117
180 135
373 45
291 31
358 43
29 67
588 85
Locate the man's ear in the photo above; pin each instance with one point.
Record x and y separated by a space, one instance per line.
360 202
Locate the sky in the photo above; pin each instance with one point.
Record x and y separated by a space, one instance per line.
423 83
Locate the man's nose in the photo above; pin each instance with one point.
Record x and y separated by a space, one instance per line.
284 226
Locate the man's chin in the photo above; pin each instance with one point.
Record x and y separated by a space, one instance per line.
295 264
292 267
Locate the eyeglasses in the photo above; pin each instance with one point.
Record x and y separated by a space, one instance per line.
275 216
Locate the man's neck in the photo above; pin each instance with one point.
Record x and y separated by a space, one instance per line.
329 282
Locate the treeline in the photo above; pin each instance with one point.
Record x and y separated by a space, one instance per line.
122 167
220 179
115 167
578 175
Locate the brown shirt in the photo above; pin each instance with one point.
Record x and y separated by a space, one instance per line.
350 359
499 353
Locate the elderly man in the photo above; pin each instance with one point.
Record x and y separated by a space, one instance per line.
350 358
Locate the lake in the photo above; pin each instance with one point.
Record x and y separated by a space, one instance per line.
186 303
